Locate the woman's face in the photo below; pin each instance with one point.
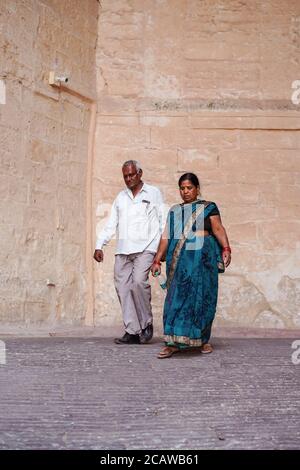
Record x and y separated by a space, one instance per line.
188 191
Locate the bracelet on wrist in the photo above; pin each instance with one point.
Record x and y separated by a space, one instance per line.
157 262
226 248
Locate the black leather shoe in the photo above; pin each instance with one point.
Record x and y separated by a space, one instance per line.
146 334
128 339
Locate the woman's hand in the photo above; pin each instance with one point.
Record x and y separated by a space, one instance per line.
155 268
226 256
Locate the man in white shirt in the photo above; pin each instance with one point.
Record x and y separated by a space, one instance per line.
137 217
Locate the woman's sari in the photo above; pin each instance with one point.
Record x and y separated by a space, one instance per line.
192 276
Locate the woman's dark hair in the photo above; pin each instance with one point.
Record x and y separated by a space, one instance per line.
190 177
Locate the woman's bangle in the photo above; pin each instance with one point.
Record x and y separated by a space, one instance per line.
226 248
157 262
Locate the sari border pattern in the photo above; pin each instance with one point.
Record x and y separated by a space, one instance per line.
183 340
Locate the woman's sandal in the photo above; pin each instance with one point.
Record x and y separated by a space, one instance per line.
206 348
167 351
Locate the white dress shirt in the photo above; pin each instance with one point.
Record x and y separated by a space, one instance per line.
137 221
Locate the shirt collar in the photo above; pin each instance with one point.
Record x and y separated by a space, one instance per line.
144 188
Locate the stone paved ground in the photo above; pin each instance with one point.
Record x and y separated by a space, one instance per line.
88 393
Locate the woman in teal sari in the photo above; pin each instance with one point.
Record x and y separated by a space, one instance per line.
196 249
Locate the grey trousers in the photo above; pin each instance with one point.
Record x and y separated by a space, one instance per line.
131 275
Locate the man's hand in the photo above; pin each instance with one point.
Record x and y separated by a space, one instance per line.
98 255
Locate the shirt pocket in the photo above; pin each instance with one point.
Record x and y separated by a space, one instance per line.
144 208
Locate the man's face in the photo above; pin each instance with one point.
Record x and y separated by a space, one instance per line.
131 176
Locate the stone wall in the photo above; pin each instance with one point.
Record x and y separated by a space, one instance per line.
206 86
44 142
183 85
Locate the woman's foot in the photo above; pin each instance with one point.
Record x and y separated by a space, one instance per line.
206 348
167 351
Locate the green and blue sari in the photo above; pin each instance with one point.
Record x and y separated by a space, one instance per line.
192 265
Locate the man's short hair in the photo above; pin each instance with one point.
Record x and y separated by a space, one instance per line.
134 163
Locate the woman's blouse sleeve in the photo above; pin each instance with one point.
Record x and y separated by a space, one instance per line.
215 210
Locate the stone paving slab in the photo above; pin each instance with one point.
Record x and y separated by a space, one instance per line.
88 393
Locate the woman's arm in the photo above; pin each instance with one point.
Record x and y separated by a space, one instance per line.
221 235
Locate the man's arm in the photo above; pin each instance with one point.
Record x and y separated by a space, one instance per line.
107 233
